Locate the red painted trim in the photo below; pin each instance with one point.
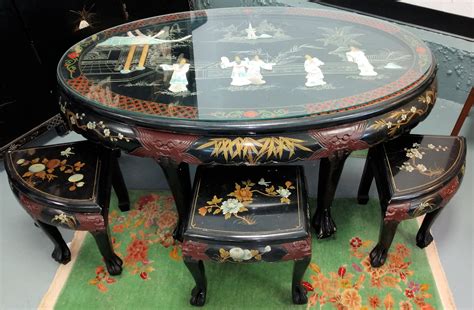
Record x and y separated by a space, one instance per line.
297 249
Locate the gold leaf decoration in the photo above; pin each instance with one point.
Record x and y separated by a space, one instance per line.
253 150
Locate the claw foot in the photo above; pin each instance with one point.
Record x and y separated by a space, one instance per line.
114 265
61 254
378 256
299 295
423 239
198 297
324 226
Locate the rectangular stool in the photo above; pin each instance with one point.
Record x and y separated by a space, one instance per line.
244 214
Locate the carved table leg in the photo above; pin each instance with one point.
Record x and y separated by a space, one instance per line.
365 182
61 252
330 170
198 294
179 182
112 261
379 254
424 237
297 290
119 186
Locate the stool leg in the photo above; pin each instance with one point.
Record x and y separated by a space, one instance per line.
112 261
61 252
198 294
298 292
379 253
119 186
424 237
365 182
330 170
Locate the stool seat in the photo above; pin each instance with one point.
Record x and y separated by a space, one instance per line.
244 215
65 176
270 201
69 185
417 165
415 175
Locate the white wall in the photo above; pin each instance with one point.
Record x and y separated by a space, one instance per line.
458 7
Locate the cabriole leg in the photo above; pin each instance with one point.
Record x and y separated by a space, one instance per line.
119 186
379 253
424 237
329 174
365 182
198 294
298 292
112 261
61 252
179 182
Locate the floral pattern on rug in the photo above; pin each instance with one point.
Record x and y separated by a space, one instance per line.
342 289
150 221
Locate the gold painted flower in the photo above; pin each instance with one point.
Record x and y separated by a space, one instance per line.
242 194
53 163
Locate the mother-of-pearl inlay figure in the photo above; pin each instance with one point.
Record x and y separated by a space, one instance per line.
239 71
179 79
358 56
253 70
315 76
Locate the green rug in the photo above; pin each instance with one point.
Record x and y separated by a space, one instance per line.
154 277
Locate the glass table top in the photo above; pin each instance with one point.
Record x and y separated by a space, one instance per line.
244 64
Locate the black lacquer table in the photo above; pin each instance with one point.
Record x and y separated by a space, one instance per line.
248 86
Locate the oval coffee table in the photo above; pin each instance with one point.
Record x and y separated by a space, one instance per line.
248 86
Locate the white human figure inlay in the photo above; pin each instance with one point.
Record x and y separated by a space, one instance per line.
253 72
358 56
179 79
315 76
239 70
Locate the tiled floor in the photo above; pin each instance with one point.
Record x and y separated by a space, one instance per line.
26 269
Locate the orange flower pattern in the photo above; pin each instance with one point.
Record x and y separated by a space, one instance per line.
354 285
150 221
344 289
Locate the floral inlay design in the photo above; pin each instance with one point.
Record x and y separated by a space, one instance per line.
47 169
401 117
344 289
417 152
253 150
72 58
80 121
424 207
239 255
243 197
65 219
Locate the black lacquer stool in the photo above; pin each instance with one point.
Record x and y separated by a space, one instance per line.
415 175
69 185
246 215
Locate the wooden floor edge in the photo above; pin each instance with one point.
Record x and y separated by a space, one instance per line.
51 296
445 294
